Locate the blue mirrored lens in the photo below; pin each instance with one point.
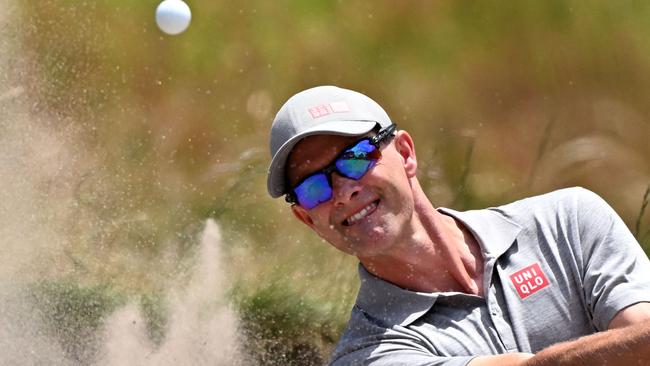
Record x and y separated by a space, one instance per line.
313 191
354 169
356 161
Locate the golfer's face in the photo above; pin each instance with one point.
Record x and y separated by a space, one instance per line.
363 214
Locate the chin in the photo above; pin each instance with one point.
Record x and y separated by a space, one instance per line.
364 237
368 246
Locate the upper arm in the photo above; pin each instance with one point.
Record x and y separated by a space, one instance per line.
616 271
634 314
508 359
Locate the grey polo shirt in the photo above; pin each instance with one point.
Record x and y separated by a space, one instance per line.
557 267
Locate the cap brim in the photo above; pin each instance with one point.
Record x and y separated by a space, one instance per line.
276 174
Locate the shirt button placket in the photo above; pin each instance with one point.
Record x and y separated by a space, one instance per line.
503 328
494 307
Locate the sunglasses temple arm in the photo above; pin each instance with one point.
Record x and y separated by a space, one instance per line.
384 133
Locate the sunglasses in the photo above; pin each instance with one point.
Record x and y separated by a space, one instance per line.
353 162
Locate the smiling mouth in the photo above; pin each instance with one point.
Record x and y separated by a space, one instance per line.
361 214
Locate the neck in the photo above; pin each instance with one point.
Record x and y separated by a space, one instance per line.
436 254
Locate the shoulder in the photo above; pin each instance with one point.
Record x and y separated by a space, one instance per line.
561 197
566 202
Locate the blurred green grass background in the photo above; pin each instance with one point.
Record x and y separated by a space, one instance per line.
504 100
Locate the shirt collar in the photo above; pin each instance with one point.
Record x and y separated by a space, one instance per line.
493 230
392 304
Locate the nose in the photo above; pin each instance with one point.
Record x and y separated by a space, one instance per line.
344 189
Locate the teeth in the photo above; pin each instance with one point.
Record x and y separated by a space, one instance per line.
361 214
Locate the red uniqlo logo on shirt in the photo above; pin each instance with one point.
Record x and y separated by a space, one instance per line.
319 111
529 280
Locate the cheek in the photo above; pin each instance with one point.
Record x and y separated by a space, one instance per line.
320 218
392 164
394 177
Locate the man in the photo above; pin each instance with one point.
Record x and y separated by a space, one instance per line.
501 286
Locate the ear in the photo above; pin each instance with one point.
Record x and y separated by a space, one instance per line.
405 147
301 214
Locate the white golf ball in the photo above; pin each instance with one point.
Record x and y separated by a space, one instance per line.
173 16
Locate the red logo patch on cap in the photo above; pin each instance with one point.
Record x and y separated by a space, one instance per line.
319 111
529 280
325 109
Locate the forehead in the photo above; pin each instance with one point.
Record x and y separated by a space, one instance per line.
313 153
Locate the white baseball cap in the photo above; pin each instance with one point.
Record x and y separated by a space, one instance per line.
323 110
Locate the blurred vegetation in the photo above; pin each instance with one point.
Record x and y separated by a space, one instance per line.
504 100
287 328
73 315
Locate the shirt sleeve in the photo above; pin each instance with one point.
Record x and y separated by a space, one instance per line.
615 268
395 357
366 343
